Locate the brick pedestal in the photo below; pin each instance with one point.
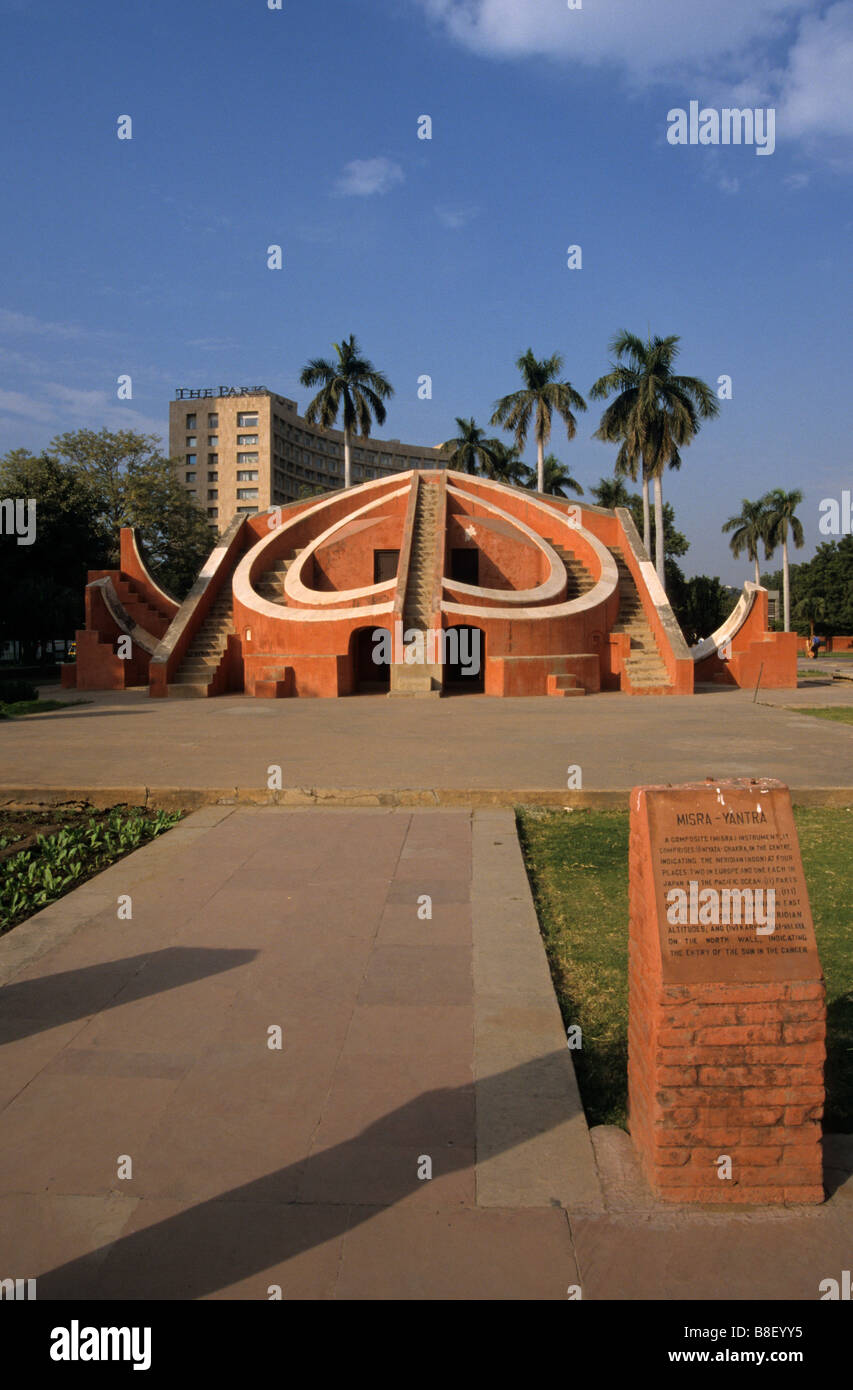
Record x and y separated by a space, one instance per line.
726 1025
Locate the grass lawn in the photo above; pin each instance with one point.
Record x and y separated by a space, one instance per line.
840 714
17 708
44 854
578 867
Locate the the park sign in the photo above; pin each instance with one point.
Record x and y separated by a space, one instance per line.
727 1014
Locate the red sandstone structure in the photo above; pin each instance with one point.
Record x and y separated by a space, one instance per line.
552 597
727 1012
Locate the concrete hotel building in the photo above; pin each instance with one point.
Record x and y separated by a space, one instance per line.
241 451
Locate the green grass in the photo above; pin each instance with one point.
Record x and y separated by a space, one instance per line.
75 845
578 867
18 708
841 714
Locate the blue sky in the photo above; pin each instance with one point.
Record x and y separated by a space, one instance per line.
298 127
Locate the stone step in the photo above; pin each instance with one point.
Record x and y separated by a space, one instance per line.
183 691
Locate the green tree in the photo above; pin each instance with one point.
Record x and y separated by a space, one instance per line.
749 530
703 605
506 465
470 451
133 484
47 578
655 413
558 478
540 399
612 493
350 386
782 522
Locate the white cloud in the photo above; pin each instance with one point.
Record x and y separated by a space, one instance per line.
455 217
12 322
17 403
818 85
363 177
732 52
647 37
726 184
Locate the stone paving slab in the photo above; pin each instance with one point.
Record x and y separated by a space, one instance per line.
254 1166
470 744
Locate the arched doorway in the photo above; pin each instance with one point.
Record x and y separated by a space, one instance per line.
371 676
464 660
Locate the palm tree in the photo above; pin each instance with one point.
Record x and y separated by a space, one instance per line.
811 609
781 520
558 477
352 383
506 465
749 530
655 413
611 493
545 395
470 448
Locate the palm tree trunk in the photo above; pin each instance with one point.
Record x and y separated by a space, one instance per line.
786 586
757 571
659 529
540 466
647 525
347 458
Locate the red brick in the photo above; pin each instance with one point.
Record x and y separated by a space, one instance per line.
759 1154
677 1076
736 1034
673 1158
784 1174
684 1115
802 1013
787 1095
801 1116
674 1037
804 1032
813 1193
804 989
794 1054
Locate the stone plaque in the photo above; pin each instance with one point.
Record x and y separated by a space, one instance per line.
729 888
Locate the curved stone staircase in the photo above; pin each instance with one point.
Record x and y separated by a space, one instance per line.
270 585
644 668
207 648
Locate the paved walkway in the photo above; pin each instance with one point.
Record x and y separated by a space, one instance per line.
406 1037
463 744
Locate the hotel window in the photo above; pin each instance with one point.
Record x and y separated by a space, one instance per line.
191 460
213 477
190 423
247 439
247 475
212 494
247 458
248 511
247 422
213 441
244 493
192 441
190 478
213 460
213 422
213 511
